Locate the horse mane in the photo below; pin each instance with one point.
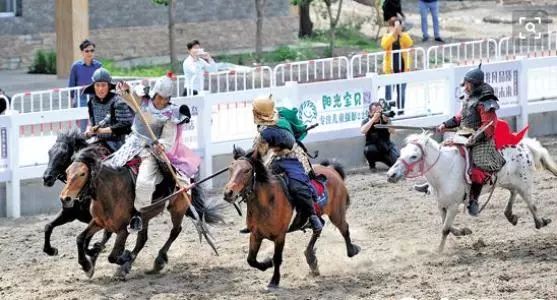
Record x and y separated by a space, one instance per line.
71 136
421 138
90 157
262 175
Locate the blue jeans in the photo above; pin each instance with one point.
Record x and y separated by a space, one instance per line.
400 95
425 9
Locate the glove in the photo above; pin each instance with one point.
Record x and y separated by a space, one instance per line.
185 110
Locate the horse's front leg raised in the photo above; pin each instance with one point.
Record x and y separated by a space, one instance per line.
513 219
83 239
64 216
254 245
101 245
127 258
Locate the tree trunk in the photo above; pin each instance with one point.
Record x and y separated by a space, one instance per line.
171 38
259 29
333 22
306 25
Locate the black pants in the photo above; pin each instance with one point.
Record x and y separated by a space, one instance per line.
302 195
386 153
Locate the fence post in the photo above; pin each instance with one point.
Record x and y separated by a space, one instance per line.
205 137
522 119
13 192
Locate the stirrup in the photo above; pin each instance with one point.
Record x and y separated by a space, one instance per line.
135 225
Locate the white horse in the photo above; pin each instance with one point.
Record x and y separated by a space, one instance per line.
443 167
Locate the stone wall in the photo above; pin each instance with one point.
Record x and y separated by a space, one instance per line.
127 29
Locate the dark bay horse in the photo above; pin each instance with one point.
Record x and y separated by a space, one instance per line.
60 154
269 212
112 194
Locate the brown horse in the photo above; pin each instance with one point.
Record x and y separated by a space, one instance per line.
112 193
269 210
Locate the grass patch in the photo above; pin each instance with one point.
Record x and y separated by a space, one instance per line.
347 36
279 55
138 71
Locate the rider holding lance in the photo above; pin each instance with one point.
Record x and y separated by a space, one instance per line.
476 122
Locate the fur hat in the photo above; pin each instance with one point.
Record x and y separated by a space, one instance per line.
163 86
264 112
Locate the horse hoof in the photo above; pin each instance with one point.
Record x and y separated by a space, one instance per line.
88 268
354 250
466 231
51 251
513 219
98 245
546 221
272 286
124 258
90 273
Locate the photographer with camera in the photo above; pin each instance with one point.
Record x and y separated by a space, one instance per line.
379 147
195 65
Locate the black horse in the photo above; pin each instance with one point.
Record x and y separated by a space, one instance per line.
60 155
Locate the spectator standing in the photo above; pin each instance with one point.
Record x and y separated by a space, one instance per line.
378 147
426 7
396 61
81 74
195 65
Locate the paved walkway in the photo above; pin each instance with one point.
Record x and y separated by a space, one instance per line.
18 81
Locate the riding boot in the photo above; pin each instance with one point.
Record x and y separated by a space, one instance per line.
136 223
316 224
424 188
473 206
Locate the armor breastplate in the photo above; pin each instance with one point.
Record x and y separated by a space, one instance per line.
470 116
156 119
100 110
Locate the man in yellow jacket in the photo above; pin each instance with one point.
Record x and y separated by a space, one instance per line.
395 60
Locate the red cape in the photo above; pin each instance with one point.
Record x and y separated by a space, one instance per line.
504 137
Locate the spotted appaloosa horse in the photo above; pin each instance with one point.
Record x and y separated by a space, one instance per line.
444 169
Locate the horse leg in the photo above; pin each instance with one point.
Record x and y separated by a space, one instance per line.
540 222
254 245
119 246
62 218
127 258
340 222
450 214
513 219
101 245
311 259
277 261
87 264
162 258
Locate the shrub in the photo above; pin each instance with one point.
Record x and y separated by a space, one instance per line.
44 62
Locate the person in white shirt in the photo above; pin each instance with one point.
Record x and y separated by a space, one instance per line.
195 65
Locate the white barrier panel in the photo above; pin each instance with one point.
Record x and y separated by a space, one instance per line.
364 63
465 53
239 79
502 76
53 99
312 70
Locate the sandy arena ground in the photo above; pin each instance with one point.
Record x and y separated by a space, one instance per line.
397 229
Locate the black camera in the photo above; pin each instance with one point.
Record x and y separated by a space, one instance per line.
386 106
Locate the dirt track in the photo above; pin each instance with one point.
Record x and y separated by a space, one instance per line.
397 229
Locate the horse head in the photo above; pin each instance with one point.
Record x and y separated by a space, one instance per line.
240 175
60 155
412 155
80 174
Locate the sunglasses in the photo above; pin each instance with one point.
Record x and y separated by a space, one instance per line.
89 50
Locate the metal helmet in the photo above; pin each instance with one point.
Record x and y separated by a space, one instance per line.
475 75
163 86
101 75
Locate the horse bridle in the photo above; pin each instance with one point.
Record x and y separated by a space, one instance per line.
85 189
421 162
247 191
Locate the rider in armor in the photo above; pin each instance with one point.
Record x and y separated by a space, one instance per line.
163 118
110 119
478 111
277 148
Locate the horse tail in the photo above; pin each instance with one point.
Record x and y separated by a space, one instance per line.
336 166
210 210
542 158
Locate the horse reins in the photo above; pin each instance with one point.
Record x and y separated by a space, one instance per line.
421 162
